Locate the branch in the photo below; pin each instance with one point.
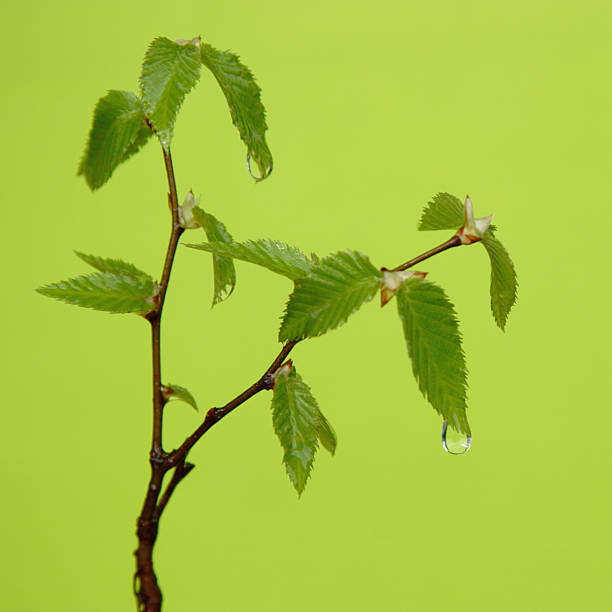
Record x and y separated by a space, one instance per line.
146 588
214 415
181 470
452 242
154 317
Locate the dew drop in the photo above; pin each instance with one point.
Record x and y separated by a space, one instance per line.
254 176
453 442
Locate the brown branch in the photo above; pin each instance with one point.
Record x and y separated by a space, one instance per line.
452 242
146 588
214 415
180 471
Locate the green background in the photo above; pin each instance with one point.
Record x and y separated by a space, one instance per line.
372 109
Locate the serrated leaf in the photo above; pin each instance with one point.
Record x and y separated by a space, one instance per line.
223 266
118 130
243 98
271 254
295 416
326 433
169 72
336 287
115 266
176 392
117 293
434 346
504 284
444 211
142 137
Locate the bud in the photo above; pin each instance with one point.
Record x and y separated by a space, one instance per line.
393 280
196 42
474 229
185 212
284 370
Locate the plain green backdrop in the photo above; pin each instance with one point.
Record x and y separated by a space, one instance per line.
372 109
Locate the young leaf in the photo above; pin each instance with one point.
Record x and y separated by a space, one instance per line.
445 211
223 267
326 433
169 72
295 416
106 291
118 130
503 279
175 392
271 254
336 287
115 266
434 346
243 98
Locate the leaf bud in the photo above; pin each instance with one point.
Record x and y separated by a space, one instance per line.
474 229
393 280
185 211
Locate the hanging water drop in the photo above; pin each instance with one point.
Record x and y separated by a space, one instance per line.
453 442
264 175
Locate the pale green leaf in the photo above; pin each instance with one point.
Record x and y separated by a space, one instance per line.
336 287
223 266
504 284
118 130
169 72
295 416
445 211
175 392
243 98
434 346
115 266
326 433
271 254
106 291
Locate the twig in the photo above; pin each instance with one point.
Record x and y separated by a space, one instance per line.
452 242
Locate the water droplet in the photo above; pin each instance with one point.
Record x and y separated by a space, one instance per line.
257 178
453 442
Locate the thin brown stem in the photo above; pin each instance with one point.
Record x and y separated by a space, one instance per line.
158 398
180 471
452 242
146 588
214 415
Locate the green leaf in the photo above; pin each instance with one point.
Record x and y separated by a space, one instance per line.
142 137
336 287
434 346
295 416
118 130
326 433
175 392
106 291
169 72
503 279
223 266
114 266
445 211
243 98
271 254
